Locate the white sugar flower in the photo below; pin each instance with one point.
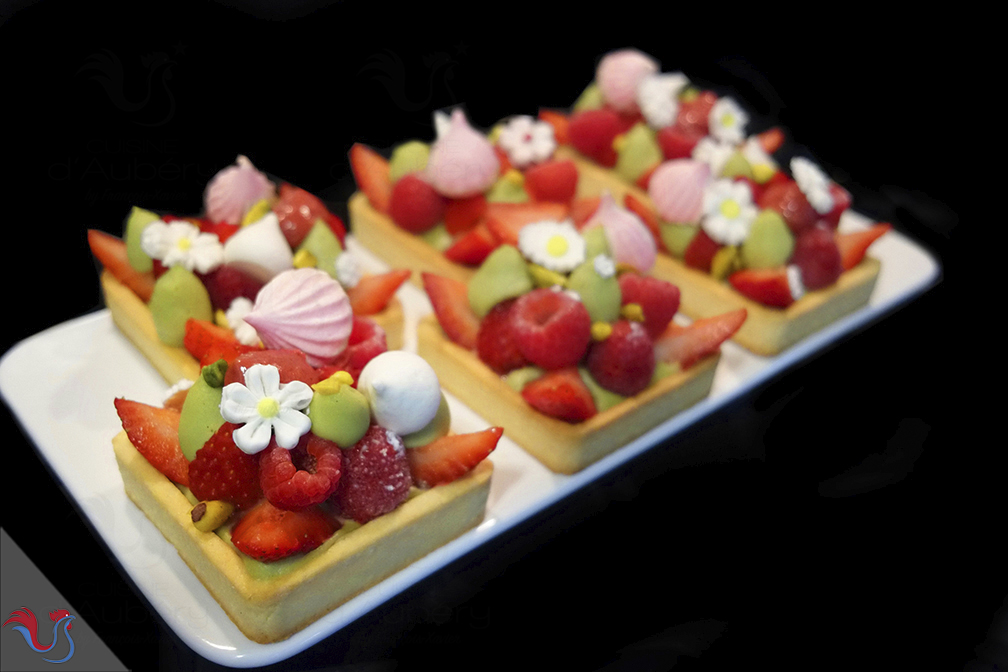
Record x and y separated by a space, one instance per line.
813 183
604 266
348 272
181 243
526 140
264 406
727 121
714 153
554 245
754 153
235 315
728 211
657 98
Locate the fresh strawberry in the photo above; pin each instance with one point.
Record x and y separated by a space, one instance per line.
768 286
221 470
688 345
267 533
560 394
553 181
445 459
301 477
560 123
472 247
111 253
854 245
659 300
592 132
208 342
223 230
375 476
462 214
291 364
817 255
371 171
552 329
582 208
372 293
841 202
623 362
677 143
367 341
506 220
771 139
647 215
298 210
153 431
450 300
786 198
495 341
700 252
414 205
693 114
227 282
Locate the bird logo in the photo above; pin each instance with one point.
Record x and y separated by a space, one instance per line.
27 625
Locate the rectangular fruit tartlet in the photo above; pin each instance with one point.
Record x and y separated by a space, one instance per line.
734 228
288 488
175 285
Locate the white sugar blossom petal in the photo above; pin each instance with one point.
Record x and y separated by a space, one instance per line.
657 98
235 315
289 426
348 271
727 121
253 436
714 153
295 395
264 407
557 246
729 211
814 183
181 243
527 140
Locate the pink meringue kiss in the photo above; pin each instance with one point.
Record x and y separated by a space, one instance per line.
304 309
462 161
618 75
677 190
630 240
234 190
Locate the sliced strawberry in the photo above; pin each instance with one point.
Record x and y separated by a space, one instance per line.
367 341
298 210
227 282
768 286
581 209
495 341
506 220
693 114
450 300
208 342
462 214
375 476
688 345
472 247
700 252
854 245
371 171
658 299
592 132
561 394
677 143
267 533
153 431
291 364
623 362
786 198
221 470
372 293
223 230
560 123
647 215
450 457
552 181
111 253
414 205
771 139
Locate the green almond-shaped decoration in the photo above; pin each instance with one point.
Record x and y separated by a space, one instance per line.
590 99
737 166
601 296
438 237
323 244
502 275
178 295
604 399
518 378
677 237
338 412
507 190
638 152
201 416
769 243
663 370
136 222
596 242
439 426
409 157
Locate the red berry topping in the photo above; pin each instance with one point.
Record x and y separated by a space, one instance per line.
688 345
786 198
291 364
298 210
693 114
495 341
658 299
367 341
298 478
769 286
376 476
227 282
267 533
561 394
414 205
592 132
472 247
208 342
552 328
111 253
153 431
818 257
445 459
554 181
461 214
373 293
854 245
371 172
677 143
624 362
699 254
450 300
221 470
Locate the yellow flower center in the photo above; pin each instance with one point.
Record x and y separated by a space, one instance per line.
730 209
556 246
727 119
267 407
184 244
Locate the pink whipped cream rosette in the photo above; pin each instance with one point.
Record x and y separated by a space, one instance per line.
677 190
234 190
618 75
629 238
462 161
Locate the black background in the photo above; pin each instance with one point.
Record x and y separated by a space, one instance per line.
841 515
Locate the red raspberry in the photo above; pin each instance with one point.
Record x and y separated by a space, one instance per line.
367 341
817 255
414 204
552 328
291 365
298 478
624 362
376 476
495 341
220 470
658 299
